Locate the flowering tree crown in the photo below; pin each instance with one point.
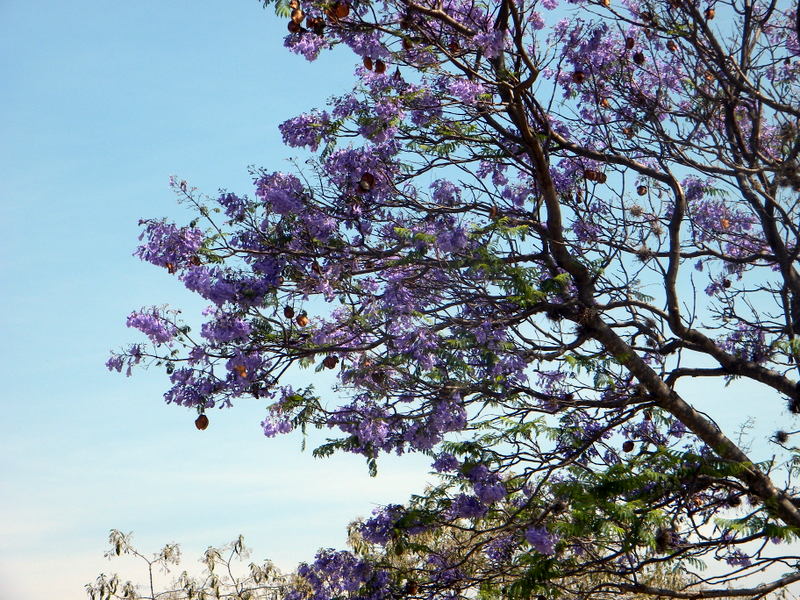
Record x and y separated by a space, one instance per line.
526 227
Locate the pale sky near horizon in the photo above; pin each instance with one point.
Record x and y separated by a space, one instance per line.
101 102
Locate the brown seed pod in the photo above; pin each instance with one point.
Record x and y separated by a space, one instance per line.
341 10
629 43
733 500
590 174
578 76
627 446
605 103
293 27
781 436
602 178
641 190
380 67
240 370
726 283
302 320
605 3
294 4
366 182
367 63
663 539
330 362
317 25
710 13
672 46
298 15
407 44
201 422
288 312
195 260
412 587
638 58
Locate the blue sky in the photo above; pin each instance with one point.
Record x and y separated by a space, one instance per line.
101 102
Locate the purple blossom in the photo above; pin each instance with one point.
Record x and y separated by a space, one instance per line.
542 540
467 507
306 44
305 130
491 43
153 324
340 574
464 90
167 245
225 328
445 192
500 549
737 558
446 463
280 191
378 529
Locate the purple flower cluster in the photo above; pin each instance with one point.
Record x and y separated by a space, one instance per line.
225 328
335 575
464 90
500 549
378 529
281 192
305 130
542 540
487 485
167 245
154 324
747 342
308 45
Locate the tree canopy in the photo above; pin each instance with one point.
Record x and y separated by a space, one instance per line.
523 231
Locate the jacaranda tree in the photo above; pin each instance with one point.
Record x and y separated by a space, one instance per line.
525 229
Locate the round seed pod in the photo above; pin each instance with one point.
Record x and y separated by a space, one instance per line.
342 10
627 446
380 66
288 312
367 63
201 422
641 190
366 182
